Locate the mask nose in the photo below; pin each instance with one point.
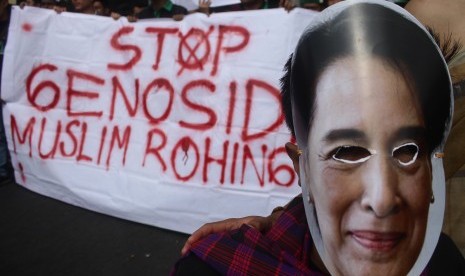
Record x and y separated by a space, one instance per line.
381 194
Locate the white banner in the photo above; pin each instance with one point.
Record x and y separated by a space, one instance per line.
172 124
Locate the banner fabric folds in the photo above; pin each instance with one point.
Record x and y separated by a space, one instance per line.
172 124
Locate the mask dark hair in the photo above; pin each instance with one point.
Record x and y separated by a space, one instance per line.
384 34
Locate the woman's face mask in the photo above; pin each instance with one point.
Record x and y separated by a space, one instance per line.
368 168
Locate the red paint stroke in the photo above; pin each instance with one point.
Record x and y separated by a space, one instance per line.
118 87
249 156
77 95
51 153
194 60
23 175
232 30
149 149
279 169
220 161
27 27
74 140
117 45
27 133
122 142
158 85
210 87
102 144
234 159
232 104
185 149
82 156
250 88
161 33
174 154
48 85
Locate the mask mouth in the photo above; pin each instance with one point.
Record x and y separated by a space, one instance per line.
433 228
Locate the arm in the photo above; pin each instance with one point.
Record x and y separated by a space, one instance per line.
262 224
288 5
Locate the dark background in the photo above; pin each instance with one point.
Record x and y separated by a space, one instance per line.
43 236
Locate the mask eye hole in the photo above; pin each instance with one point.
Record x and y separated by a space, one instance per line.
406 154
351 154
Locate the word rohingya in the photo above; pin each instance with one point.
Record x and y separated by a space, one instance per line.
71 140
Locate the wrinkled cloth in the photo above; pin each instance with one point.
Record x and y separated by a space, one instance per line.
284 250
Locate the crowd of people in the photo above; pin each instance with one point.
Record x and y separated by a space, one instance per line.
143 9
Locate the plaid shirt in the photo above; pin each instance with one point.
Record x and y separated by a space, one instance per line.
284 250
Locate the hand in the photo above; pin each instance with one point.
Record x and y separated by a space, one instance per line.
204 6
59 9
288 5
178 17
262 224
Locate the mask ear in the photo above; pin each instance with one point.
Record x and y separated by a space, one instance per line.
293 153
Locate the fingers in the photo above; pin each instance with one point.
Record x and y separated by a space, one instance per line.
288 5
178 17
222 226
262 224
204 6
204 231
205 3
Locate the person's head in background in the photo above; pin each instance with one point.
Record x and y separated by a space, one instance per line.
47 4
316 5
62 6
332 2
101 7
83 6
31 3
138 6
368 116
121 9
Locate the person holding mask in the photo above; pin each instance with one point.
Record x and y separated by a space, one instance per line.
370 121
446 20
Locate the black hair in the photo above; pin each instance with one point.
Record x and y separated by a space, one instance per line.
385 34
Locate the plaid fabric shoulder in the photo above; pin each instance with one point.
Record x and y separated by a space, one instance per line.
284 250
